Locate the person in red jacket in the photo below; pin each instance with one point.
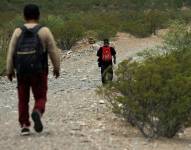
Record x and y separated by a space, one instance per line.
106 57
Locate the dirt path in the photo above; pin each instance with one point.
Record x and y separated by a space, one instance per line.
76 118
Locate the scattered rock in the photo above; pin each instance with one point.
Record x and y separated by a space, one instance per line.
101 102
180 134
83 79
69 53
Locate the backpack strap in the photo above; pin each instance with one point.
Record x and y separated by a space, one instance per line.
23 28
34 30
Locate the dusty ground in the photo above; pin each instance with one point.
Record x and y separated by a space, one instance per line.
76 118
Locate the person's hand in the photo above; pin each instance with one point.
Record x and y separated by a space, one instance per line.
56 73
10 76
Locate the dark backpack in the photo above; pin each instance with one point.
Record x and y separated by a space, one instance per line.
30 57
106 54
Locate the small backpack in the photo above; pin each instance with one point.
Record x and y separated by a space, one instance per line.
29 57
106 53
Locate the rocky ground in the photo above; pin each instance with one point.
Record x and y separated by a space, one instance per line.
76 118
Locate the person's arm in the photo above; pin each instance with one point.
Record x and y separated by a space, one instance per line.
53 51
114 59
114 55
11 49
99 52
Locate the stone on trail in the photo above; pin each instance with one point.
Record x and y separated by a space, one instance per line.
101 102
68 56
83 79
69 53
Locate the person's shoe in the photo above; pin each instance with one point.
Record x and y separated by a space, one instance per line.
25 131
38 127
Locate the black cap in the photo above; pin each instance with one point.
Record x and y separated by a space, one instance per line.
106 41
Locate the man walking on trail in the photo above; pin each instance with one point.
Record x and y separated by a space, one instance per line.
28 53
105 55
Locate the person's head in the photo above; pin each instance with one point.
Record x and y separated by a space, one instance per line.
31 12
106 42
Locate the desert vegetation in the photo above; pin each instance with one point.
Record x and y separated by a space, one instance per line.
153 93
72 20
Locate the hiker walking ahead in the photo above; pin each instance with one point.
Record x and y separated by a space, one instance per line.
105 55
28 53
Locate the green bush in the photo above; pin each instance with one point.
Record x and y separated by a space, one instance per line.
67 32
3 51
186 15
136 28
4 40
91 34
143 24
55 23
179 37
156 19
2 62
154 94
105 25
106 31
72 31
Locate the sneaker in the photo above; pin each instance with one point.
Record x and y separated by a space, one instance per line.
25 131
38 127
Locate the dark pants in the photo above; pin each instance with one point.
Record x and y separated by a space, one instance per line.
106 73
38 84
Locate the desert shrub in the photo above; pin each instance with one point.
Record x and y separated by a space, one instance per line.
5 38
186 15
4 41
105 25
143 24
135 23
187 2
179 38
156 19
106 31
72 31
140 18
66 32
55 23
154 94
9 27
91 34
137 28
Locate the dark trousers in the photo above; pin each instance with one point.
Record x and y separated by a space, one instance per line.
38 84
106 73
